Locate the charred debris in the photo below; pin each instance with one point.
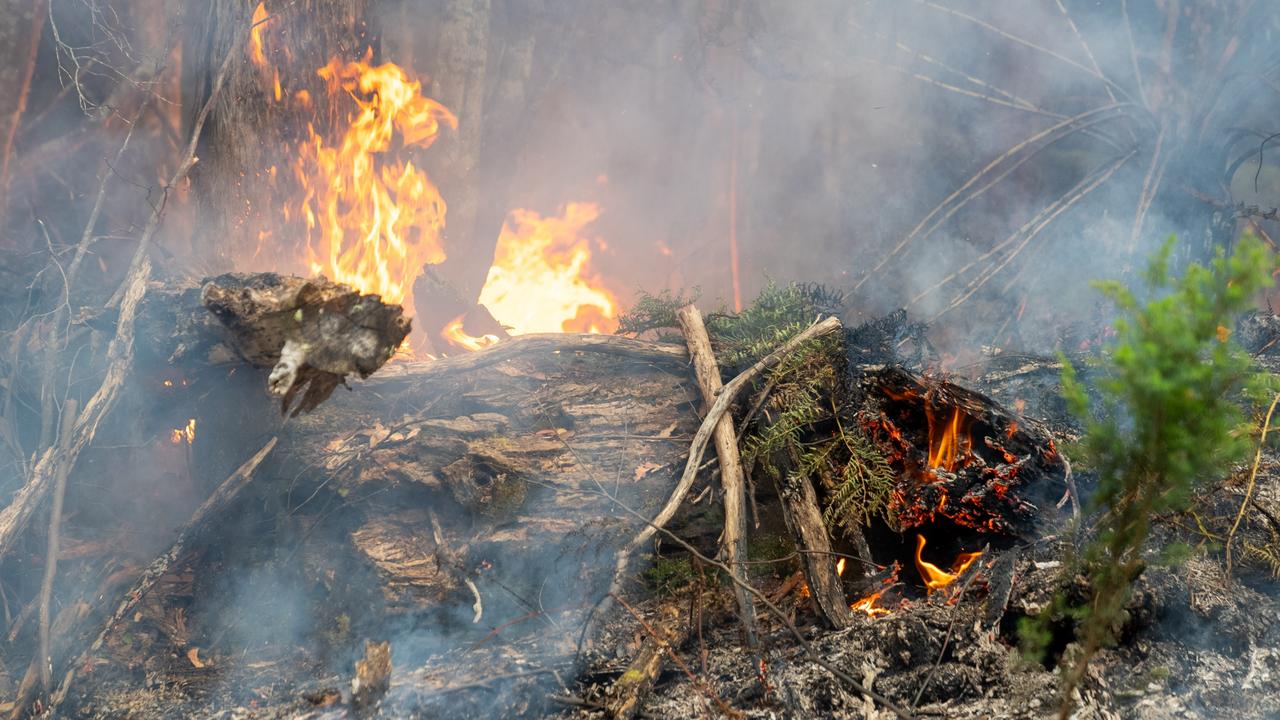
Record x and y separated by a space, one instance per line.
541 527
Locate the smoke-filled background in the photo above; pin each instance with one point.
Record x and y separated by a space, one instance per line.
725 143
977 163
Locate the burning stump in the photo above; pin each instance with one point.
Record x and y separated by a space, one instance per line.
963 458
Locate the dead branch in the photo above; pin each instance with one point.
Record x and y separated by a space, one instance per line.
733 544
211 507
44 658
14 518
629 691
803 517
664 645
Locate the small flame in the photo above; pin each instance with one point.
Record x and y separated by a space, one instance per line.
946 443
840 567
868 605
935 578
539 280
454 333
372 219
188 433
257 53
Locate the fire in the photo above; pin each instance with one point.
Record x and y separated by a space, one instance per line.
257 53
454 333
946 443
372 219
539 280
187 433
840 567
935 578
868 605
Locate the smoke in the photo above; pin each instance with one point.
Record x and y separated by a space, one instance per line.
814 137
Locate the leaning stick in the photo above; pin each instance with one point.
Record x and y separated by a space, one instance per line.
699 445
45 657
733 544
214 504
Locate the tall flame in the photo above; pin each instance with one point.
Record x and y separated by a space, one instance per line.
539 280
946 442
373 219
935 578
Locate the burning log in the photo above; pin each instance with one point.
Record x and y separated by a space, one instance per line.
964 458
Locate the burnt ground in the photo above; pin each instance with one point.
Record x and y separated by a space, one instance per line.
1196 643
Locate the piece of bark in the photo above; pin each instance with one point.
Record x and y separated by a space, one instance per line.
628 692
733 543
311 332
804 519
372 678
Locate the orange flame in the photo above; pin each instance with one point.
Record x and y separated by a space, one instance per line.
868 605
945 444
935 578
257 52
187 433
454 333
840 567
372 219
539 280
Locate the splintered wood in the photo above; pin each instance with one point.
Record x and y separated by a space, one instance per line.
311 332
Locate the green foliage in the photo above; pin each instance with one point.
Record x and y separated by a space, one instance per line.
667 576
1169 415
654 312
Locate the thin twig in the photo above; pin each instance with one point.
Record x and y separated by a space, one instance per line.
1150 185
1049 214
1253 478
1000 167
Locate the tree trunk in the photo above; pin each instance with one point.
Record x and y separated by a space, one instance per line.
21 24
252 138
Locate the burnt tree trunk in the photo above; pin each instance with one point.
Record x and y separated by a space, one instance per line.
250 131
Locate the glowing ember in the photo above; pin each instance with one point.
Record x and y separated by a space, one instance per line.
935 578
539 280
868 605
188 433
946 443
454 333
373 220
